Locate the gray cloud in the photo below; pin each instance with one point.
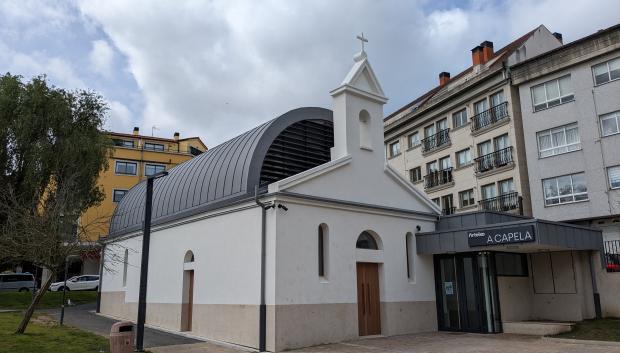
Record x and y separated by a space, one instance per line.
217 68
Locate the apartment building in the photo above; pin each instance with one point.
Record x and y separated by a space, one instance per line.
133 158
462 140
570 103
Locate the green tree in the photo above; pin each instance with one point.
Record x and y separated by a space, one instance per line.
51 153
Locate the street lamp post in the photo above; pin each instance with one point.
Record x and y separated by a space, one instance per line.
144 264
64 290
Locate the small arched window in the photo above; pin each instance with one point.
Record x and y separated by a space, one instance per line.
125 264
366 241
189 256
365 136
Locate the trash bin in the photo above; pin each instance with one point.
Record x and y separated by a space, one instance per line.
122 337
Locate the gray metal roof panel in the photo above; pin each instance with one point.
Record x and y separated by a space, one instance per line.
223 175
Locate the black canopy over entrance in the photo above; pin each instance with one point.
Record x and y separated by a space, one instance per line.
492 231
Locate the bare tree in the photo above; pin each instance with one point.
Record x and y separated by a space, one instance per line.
52 151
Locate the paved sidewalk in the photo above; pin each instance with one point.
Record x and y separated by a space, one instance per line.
436 342
84 318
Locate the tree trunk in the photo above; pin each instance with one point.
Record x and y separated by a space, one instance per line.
35 301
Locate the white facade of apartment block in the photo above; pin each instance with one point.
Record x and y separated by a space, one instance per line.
461 143
570 103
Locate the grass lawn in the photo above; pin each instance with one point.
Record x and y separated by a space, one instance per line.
601 330
20 301
45 337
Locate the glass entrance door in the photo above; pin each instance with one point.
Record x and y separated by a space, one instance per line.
467 293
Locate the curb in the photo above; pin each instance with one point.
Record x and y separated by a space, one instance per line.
577 341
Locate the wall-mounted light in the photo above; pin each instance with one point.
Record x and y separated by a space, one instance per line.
418 228
282 207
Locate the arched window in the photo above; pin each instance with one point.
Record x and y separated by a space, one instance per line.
323 239
365 135
366 241
409 251
125 261
189 256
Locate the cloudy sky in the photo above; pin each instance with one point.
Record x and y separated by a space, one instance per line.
217 68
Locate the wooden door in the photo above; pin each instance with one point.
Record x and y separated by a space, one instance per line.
187 307
368 312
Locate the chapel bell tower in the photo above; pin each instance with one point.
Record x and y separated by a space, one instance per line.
358 111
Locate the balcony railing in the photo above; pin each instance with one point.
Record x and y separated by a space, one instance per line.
612 255
435 141
489 117
493 160
448 211
437 178
502 203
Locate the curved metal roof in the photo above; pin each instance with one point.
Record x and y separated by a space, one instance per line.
222 175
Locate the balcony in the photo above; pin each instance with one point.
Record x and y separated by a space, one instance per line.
448 211
489 117
438 178
433 142
495 160
502 203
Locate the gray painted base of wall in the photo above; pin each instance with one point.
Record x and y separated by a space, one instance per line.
288 326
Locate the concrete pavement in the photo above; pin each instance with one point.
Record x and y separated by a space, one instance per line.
435 342
84 318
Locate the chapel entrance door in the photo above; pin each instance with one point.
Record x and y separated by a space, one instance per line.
187 307
368 299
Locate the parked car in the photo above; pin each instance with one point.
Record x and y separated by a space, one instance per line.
86 282
16 282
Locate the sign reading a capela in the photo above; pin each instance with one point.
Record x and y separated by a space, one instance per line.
505 235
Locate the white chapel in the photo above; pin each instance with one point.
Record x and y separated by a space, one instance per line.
292 234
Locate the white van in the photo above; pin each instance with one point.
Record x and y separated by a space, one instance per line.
16 282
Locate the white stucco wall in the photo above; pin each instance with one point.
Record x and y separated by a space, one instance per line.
297 276
227 261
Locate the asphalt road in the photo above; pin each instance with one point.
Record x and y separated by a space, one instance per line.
84 318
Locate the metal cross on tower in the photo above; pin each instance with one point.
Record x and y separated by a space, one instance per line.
362 40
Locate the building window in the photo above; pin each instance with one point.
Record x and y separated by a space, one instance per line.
444 163
366 241
153 146
125 265
126 168
497 99
466 198
415 174
364 125
607 71
394 149
552 93
501 142
463 158
488 191
614 177
506 186
431 167
448 204
410 251
610 123
459 118
117 195
152 169
323 244
429 131
485 148
565 189
436 201
442 124
123 143
558 140
413 139
510 264
481 106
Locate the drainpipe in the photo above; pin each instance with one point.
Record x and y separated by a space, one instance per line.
262 324
101 257
595 293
